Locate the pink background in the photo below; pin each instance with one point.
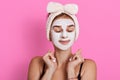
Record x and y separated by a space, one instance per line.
22 35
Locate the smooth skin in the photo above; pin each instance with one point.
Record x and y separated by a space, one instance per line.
63 68
62 64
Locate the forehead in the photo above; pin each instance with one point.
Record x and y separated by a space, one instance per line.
62 16
63 22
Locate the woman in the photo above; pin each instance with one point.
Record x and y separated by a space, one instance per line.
62 31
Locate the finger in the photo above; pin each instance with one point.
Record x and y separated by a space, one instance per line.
48 51
52 57
48 55
81 56
54 60
75 57
51 53
70 59
79 51
78 58
81 59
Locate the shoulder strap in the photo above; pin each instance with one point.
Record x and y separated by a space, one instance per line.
79 77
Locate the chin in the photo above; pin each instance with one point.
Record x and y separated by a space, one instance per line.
62 49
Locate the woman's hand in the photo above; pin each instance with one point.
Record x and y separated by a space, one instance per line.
50 60
73 62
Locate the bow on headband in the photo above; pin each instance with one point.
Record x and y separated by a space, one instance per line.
54 7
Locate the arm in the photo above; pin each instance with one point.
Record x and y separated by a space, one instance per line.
89 70
48 75
73 62
50 61
35 68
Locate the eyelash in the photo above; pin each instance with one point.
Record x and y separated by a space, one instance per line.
61 31
58 31
70 31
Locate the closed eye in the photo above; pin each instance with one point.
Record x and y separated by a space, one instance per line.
57 29
70 28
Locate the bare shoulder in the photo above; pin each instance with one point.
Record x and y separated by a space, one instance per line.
36 60
35 68
89 70
89 63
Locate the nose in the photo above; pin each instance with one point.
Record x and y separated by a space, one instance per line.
64 34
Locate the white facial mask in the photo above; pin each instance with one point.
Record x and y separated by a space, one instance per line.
63 40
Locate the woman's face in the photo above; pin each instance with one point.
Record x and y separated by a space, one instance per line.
63 33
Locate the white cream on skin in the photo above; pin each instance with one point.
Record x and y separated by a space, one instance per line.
63 39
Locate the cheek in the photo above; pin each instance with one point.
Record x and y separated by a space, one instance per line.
71 35
55 36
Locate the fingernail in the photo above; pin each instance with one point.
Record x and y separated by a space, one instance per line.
70 59
54 60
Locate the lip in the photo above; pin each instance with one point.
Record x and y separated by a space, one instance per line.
64 42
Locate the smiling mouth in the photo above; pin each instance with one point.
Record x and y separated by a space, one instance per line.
64 42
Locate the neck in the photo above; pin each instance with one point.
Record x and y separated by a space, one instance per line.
62 56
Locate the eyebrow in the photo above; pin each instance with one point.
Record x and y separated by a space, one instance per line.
56 25
71 25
